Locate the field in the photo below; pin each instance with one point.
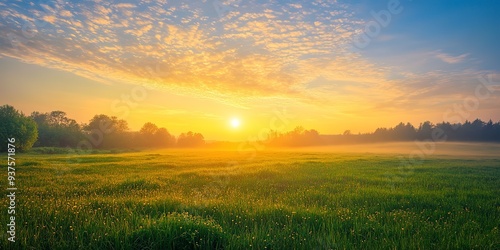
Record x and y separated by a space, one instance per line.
288 199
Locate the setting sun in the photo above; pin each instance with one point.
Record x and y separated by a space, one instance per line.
235 122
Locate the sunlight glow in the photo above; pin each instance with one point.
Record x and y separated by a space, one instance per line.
235 122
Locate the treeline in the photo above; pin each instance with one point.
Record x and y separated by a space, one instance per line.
475 131
102 131
55 129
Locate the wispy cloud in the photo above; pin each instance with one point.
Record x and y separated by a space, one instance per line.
266 50
451 59
255 49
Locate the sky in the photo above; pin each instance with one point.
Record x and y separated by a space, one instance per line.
198 65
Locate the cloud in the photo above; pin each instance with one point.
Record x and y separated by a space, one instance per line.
49 19
124 5
252 51
451 59
139 31
66 13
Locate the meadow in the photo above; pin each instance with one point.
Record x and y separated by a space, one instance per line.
271 199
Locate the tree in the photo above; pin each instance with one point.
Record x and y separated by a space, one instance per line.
297 137
190 139
310 137
404 132
425 130
107 124
56 130
165 139
15 125
109 132
381 134
148 129
152 136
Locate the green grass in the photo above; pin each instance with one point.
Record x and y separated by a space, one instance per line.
275 200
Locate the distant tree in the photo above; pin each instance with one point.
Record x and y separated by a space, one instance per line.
148 129
476 129
310 137
347 132
488 131
447 130
494 135
107 124
425 130
165 139
403 132
146 136
56 130
297 131
15 124
273 135
152 136
380 134
109 132
297 137
190 139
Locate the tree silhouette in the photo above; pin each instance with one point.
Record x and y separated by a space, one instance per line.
107 124
425 130
468 131
152 136
108 132
190 139
56 130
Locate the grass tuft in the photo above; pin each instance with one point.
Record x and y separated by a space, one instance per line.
180 231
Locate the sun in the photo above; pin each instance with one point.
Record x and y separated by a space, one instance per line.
235 122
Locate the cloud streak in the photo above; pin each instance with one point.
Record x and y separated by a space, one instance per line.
451 59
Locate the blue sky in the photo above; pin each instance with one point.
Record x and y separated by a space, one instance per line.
452 27
248 57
